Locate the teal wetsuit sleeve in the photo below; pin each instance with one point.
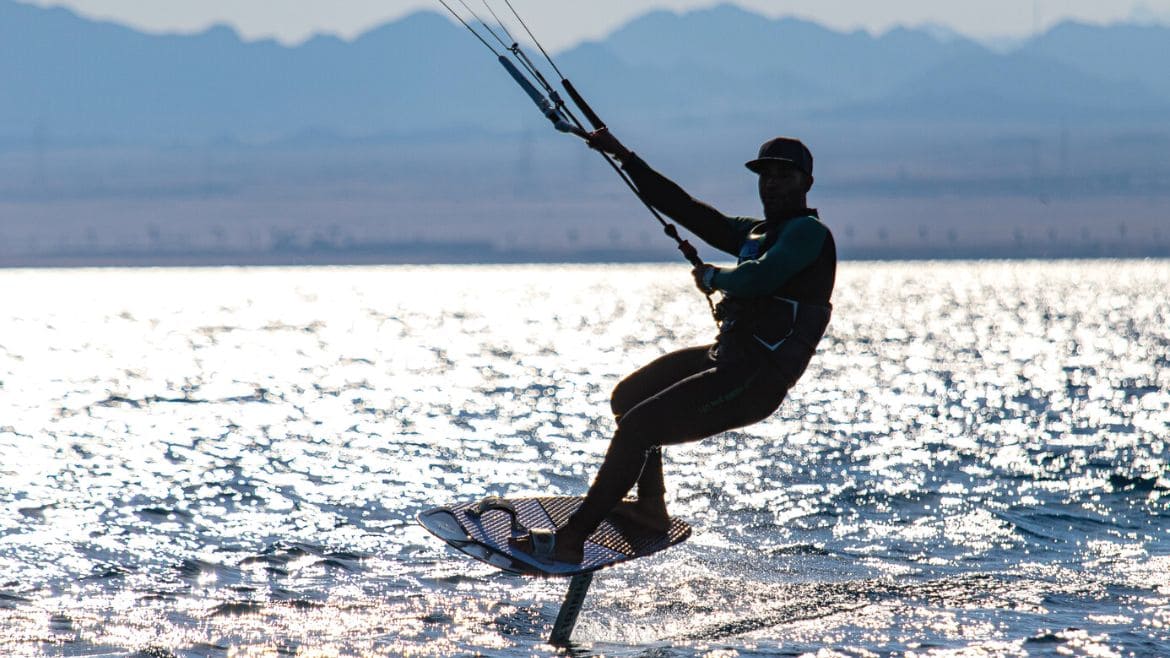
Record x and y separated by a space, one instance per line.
713 227
797 247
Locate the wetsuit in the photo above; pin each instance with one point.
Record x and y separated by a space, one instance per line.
775 309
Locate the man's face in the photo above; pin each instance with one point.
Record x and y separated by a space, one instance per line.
782 187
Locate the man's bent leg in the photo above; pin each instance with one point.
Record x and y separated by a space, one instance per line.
644 383
710 402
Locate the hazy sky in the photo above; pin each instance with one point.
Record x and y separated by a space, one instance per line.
560 23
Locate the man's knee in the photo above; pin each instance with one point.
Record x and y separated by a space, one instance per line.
621 400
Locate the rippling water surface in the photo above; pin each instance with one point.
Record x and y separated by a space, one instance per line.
228 463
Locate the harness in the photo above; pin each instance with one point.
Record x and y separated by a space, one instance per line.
769 322
772 347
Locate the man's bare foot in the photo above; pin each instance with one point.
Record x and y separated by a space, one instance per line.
564 550
649 513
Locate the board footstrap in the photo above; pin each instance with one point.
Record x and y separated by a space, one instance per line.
496 503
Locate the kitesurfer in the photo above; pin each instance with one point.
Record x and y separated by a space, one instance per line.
775 308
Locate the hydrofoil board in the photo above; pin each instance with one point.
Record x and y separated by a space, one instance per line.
482 529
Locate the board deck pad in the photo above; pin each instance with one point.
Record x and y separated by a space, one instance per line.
485 536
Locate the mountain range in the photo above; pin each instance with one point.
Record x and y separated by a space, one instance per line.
68 79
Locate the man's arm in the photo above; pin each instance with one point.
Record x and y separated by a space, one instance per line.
796 248
713 227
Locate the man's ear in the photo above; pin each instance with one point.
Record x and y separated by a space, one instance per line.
809 184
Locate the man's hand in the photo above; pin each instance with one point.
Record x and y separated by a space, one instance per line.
604 141
705 277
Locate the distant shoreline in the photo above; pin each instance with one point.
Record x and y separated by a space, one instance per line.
481 255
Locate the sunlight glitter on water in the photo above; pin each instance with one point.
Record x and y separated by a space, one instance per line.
228 462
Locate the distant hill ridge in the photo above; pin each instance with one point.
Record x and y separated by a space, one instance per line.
69 79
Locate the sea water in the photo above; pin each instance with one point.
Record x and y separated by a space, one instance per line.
228 462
